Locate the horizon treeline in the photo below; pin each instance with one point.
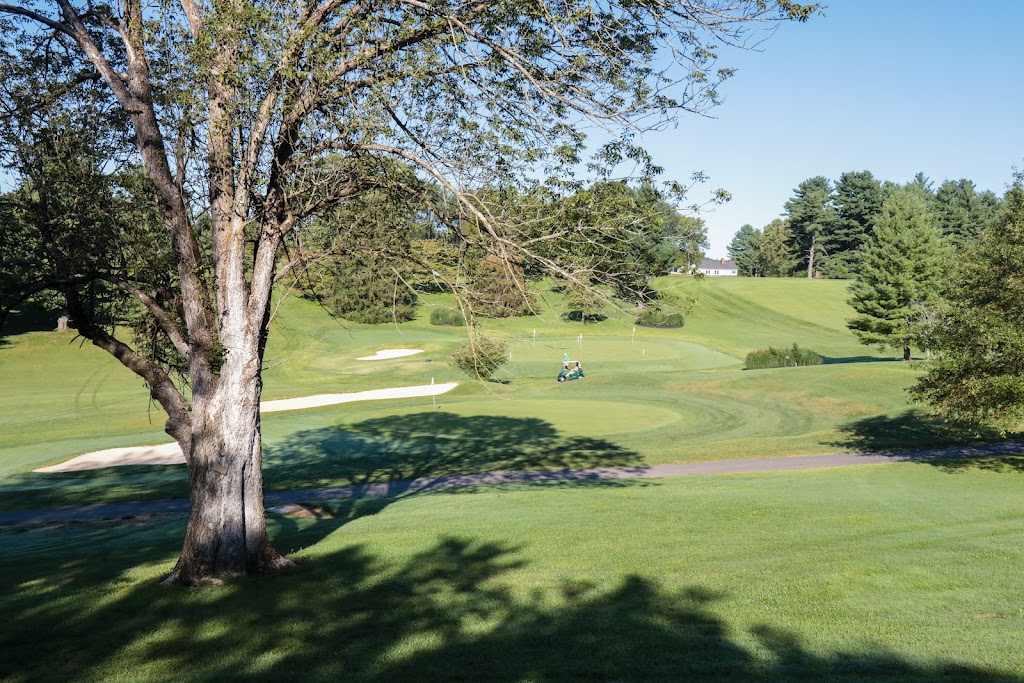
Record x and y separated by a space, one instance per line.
827 224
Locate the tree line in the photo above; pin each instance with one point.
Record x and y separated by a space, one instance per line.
827 226
936 269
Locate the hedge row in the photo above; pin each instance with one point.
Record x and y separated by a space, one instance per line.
781 358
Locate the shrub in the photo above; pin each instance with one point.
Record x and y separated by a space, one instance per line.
369 293
481 357
447 316
652 317
498 290
781 358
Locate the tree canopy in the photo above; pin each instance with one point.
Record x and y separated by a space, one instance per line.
812 219
978 374
902 267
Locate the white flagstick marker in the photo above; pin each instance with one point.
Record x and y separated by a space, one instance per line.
433 396
633 338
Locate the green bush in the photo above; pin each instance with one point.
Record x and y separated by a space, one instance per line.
369 293
447 316
652 317
781 358
481 357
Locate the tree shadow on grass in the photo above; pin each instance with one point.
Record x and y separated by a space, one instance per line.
27 318
435 448
386 452
454 610
919 437
832 360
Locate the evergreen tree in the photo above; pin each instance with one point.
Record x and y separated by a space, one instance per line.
812 218
858 200
961 212
901 269
776 251
924 184
978 376
745 250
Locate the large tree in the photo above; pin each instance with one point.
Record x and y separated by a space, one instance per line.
776 251
962 212
235 106
745 250
812 219
902 267
978 374
858 200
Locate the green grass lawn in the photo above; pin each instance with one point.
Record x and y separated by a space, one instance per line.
896 572
905 572
650 396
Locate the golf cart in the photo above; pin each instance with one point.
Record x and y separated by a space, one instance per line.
571 369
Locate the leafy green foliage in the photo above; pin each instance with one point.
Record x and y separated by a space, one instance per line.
497 289
978 376
775 252
772 357
582 303
447 317
482 356
902 266
745 250
653 317
858 201
812 218
961 212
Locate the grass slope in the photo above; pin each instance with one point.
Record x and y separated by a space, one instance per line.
897 572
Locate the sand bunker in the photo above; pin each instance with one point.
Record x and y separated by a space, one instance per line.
170 454
384 354
164 454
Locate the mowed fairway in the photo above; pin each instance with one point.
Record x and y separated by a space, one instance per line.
650 396
904 572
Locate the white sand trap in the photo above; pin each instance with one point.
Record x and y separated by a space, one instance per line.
384 354
164 454
170 454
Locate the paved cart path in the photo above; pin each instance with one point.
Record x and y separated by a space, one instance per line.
408 486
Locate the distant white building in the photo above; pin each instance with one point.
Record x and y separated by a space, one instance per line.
718 267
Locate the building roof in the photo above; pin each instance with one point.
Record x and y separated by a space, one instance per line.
717 264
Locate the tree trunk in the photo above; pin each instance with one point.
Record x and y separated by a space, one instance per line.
226 534
906 353
810 257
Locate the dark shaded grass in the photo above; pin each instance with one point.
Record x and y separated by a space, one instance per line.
438 615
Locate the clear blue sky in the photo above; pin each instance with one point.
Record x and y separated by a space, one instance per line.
893 87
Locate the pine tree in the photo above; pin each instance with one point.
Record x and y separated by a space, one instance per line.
776 252
961 212
858 200
745 250
812 218
901 269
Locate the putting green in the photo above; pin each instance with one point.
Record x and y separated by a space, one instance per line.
569 417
